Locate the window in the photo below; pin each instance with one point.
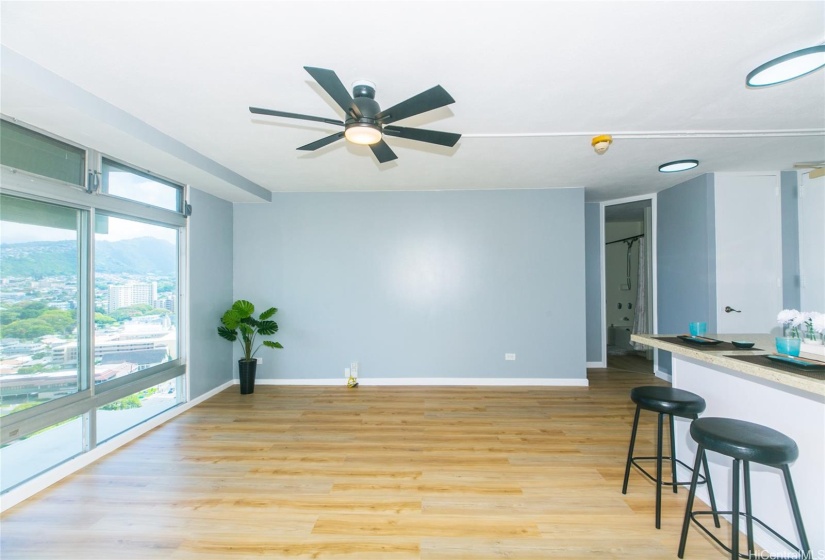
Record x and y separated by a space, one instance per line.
30 151
136 287
29 456
120 415
125 182
90 322
39 301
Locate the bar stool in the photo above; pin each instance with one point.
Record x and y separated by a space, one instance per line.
671 402
746 442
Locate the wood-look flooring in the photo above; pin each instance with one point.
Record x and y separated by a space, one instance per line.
384 473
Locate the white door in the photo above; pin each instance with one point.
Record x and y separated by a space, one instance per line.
748 220
812 243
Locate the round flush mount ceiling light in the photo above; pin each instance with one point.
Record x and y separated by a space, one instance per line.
787 67
676 166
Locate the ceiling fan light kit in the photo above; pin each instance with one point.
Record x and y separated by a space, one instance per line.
787 67
364 134
365 123
678 165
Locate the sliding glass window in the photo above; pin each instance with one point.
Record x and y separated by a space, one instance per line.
136 287
39 302
92 253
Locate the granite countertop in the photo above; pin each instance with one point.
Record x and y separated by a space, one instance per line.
765 344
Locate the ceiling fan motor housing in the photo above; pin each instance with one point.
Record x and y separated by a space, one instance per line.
368 107
363 88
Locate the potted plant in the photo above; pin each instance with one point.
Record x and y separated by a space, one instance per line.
239 324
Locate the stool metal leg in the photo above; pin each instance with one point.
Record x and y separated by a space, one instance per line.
630 449
700 456
713 507
673 455
797 516
748 507
734 548
659 474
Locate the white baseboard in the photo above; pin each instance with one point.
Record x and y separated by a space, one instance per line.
322 381
441 381
58 473
597 365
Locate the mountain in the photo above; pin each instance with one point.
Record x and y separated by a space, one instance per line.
38 259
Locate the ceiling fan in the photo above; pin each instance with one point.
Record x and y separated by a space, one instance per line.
365 123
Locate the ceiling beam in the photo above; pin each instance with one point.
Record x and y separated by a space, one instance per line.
101 110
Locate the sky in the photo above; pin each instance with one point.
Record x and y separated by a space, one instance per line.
136 187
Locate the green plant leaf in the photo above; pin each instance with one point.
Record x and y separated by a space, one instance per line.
228 334
268 313
270 344
267 327
230 319
243 308
246 329
251 321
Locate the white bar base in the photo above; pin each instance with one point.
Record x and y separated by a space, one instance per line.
807 348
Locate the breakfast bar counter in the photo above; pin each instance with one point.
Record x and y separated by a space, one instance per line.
738 384
807 382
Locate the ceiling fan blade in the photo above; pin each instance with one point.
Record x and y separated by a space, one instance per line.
332 84
422 135
428 100
259 111
322 142
383 152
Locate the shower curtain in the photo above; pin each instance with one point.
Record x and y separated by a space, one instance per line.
640 313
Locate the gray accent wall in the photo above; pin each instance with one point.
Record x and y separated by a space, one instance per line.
593 281
210 291
791 289
418 284
685 255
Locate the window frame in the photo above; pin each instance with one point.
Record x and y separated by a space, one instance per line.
180 197
87 163
89 397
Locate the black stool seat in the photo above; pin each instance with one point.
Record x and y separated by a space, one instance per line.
668 400
744 440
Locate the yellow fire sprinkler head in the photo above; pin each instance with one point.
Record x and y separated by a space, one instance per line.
601 143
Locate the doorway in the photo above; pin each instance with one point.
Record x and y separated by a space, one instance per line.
629 290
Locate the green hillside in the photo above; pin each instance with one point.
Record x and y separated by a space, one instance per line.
39 259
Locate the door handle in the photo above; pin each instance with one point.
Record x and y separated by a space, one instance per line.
729 309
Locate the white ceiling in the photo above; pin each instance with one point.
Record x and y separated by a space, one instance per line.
167 86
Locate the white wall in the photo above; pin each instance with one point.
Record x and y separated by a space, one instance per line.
210 291
417 285
812 243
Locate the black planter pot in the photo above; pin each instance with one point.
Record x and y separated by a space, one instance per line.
246 373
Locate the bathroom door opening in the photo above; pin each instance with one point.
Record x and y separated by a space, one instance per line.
628 279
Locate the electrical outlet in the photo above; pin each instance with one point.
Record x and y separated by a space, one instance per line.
346 372
354 369
260 360
509 357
